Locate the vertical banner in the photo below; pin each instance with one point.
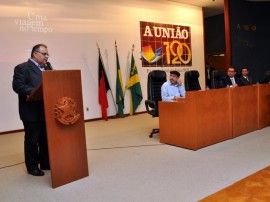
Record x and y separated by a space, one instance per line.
165 45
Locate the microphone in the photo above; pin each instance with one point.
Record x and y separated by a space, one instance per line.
49 66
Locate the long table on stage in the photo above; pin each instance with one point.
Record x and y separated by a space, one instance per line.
207 117
244 109
263 105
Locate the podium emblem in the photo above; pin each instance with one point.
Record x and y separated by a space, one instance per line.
66 111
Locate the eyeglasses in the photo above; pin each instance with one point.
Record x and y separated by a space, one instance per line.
45 54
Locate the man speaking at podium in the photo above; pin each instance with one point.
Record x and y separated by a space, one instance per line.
27 76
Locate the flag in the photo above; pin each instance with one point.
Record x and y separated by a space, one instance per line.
103 87
119 87
135 87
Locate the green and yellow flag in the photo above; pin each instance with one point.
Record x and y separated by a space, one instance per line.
119 87
135 87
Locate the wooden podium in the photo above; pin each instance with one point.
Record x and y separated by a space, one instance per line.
62 94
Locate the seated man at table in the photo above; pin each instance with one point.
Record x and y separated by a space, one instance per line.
266 77
173 88
245 78
231 80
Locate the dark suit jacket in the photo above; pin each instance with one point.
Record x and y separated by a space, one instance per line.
227 80
27 76
266 77
246 82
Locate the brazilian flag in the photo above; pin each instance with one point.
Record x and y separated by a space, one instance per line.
119 88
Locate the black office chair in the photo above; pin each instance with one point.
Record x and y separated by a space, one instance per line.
266 78
155 80
238 73
192 80
217 81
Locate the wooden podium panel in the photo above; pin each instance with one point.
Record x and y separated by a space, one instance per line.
244 109
67 144
203 118
264 105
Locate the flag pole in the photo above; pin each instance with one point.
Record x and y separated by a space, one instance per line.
106 74
128 71
117 57
127 76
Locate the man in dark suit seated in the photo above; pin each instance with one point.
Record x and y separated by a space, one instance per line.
266 77
245 78
27 76
230 79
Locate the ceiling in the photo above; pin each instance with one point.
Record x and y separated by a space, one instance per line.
210 7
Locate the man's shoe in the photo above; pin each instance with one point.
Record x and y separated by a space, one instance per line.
36 172
45 167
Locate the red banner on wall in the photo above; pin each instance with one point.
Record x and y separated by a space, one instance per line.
165 45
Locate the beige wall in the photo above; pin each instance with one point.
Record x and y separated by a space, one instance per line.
71 31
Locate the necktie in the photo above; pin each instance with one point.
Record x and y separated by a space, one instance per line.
233 81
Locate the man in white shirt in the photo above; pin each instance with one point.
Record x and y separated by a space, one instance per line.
173 88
